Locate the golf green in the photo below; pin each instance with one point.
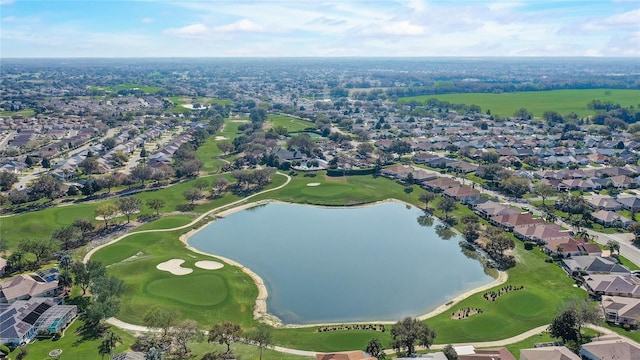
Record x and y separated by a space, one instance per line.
199 290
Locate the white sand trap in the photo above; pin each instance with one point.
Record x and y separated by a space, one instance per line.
218 138
173 266
190 106
313 184
209 265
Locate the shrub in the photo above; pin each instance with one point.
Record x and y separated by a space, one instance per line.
529 245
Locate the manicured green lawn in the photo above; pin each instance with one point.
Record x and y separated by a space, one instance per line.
208 296
537 102
73 346
292 124
229 294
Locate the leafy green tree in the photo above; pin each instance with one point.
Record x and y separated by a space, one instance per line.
86 274
107 212
225 333
142 173
261 336
67 236
161 317
544 191
109 181
450 352
447 205
375 349
426 198
129 205
85 225
181 334
193 195
89 165
119 158
42 249
515 186
47 186
7 179
564 326
407 332
156 204
225 146
471 232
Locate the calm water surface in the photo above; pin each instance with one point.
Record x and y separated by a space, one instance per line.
344 264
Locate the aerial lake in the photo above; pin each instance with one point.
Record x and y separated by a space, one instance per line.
328 265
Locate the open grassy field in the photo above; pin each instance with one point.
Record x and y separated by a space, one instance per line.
291 123
24 112
144 88
537 102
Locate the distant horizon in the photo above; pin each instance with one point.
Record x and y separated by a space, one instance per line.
295 28
318 57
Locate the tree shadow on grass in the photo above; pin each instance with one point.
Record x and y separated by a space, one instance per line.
89 331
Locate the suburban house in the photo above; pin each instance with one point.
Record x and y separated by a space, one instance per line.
593 265
611 219
397 172
491 209
614 285
621 310
26 286
540 233
610 347
442 184
603 202
463 194
21 320
564 246
509 221
630 203
470 353
548 353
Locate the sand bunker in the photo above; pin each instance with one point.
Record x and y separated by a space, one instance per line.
173 266
313 184
218 138
209 265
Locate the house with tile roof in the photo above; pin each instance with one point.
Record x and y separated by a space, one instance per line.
26 286
626 285
608 348
589 264
548 353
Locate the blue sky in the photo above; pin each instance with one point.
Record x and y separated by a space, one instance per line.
229 28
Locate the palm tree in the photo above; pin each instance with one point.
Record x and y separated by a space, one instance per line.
613 245
108 344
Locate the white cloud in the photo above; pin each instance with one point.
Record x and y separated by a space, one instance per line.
592 53
627 20
147 20
244 25
7 2
189 31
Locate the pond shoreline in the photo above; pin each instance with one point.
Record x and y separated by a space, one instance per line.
261 313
